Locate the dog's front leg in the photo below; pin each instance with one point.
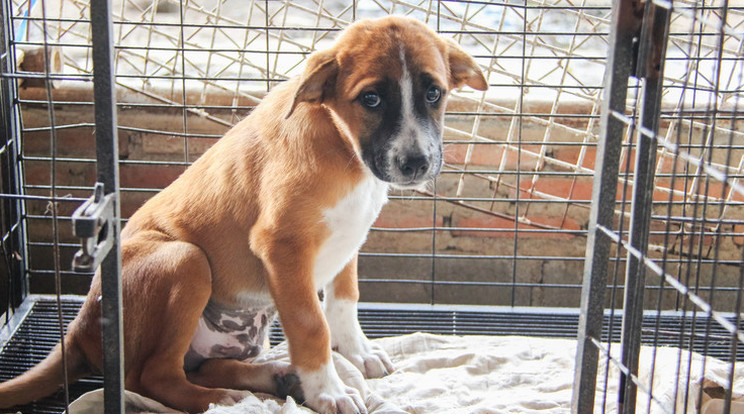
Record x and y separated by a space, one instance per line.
346 334
289 262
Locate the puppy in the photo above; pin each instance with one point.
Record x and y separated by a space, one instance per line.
274 212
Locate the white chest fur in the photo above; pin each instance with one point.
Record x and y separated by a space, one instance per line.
348 221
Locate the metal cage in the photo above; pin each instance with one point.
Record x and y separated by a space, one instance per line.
667 196
609 142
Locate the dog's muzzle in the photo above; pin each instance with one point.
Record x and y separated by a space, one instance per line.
405 162
413 170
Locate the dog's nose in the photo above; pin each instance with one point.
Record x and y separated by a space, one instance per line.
414 166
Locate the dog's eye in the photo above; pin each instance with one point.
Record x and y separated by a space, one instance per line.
371 99
433 95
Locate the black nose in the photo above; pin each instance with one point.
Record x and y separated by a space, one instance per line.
414 166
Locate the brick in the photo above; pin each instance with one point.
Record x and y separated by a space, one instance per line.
738 196
485 222
492 155
658 236
70 142
707 240
483 154
148 176
739 238
662 189
590 158
571 153
665 164
132 201
405 219
627 156
75 174
499 223
578 188
163 144
657 230
712 188
566 153
558 222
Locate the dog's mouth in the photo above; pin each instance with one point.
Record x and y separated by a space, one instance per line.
405 174
411 185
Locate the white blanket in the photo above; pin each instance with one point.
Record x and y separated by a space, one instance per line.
488 374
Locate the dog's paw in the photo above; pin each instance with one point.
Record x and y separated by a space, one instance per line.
367 356
348 401
325 393
289 385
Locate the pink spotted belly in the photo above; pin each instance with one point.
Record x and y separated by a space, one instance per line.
224 332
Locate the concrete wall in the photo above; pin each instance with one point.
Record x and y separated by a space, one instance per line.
474 240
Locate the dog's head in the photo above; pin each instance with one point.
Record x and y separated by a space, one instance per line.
385 83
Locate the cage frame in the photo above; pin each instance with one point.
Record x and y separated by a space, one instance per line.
594 284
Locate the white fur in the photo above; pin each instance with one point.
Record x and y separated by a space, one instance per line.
341 315
349 340
326 392
348 221
409 137
323 380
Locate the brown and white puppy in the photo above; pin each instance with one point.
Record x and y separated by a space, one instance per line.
274 212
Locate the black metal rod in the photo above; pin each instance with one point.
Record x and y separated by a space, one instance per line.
625 25
13 209
650 68
107 153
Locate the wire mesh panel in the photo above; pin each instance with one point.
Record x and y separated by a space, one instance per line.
670 242
504 224
507 221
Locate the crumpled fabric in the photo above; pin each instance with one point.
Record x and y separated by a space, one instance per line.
438 374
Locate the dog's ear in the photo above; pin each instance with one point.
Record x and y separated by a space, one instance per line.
463 69
318 79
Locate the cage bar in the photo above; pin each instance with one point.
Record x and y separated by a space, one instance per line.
625 25
107 158
650 69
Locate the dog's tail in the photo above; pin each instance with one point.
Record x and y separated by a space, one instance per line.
46 377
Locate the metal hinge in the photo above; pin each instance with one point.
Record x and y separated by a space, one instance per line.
93 223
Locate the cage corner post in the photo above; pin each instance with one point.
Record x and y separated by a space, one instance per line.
107 154
650 67
625 27
12 178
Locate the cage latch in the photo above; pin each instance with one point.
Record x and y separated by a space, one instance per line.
93 223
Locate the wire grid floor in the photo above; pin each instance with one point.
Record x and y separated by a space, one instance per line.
39 332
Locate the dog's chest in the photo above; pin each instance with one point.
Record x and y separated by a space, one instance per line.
348 222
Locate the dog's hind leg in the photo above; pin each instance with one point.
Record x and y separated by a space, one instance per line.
167 285
277 378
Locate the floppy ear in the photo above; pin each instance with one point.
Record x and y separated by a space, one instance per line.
318 80
463 69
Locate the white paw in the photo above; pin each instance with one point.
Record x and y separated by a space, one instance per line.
367 356
325 392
